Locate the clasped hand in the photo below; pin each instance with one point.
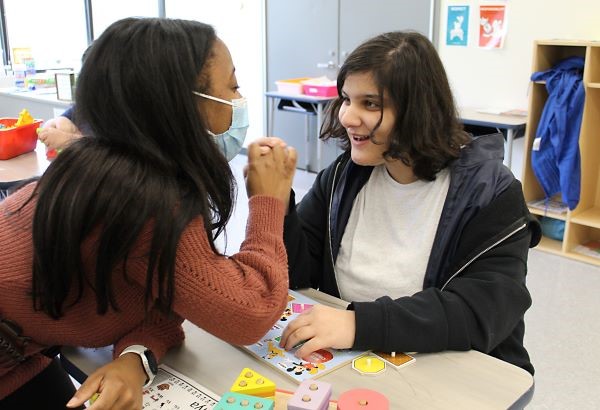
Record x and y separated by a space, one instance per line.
321 327
58 132
270 170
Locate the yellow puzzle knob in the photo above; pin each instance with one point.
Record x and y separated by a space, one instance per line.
368 365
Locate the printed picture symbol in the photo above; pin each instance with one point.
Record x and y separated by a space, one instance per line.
300 307
457 31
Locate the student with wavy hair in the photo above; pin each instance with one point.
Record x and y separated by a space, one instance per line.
115 244
418 224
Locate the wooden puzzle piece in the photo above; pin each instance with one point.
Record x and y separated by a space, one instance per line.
252 383
236 401
362 399
396 359
300 307
311 395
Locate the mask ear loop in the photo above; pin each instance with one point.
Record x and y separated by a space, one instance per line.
210 97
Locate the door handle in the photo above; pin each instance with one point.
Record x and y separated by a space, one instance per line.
329 64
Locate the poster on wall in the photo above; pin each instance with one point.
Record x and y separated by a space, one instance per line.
457 30
492 25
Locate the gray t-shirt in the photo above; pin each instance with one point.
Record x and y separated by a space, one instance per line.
388 239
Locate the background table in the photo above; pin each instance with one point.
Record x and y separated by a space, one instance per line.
459 380
29 165
315 106
512 124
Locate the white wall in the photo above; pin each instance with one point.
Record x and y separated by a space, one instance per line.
239 23
500 78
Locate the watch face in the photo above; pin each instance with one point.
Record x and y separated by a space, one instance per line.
151 361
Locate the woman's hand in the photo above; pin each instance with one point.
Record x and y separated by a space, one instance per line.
270 170
119 385
267 143
321 327
58 132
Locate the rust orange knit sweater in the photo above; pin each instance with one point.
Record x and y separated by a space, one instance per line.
236 298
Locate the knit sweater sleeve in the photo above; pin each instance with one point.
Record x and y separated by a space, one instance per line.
158 332
236 298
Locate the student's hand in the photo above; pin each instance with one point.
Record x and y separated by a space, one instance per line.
267 143
270 173
119 385
58 132
321 327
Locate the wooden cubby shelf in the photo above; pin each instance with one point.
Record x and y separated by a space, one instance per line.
582 224
589 217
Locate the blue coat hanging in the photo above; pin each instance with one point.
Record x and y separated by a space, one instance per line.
555 155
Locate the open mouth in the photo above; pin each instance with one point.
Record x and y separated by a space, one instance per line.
360 137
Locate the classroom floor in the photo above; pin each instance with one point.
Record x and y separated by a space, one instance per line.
563 326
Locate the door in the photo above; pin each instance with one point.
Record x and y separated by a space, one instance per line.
301 42
310 38
361 20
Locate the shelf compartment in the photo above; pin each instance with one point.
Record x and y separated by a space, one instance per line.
579 235
589 217
549 214
589 147
547 55
550 245
591 74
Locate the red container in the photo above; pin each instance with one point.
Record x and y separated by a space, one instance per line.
17 141
320 90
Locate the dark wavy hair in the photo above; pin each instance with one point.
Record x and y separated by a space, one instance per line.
427 134
147 160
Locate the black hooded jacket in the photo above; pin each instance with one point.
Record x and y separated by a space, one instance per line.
474 293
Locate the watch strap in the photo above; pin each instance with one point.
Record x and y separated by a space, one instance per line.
142 352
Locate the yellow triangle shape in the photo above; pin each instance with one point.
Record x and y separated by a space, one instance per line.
253 383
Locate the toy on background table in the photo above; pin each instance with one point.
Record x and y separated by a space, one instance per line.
236 401
369 365
18 135
252 383
362 399
311 395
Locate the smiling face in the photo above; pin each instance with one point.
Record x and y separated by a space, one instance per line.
359 114
223 84
362 109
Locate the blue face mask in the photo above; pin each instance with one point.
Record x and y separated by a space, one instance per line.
231 141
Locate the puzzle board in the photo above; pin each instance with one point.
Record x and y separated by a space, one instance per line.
321 362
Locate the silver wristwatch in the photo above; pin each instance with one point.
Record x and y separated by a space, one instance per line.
148 361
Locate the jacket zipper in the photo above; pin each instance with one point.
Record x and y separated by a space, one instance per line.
329 220
482 252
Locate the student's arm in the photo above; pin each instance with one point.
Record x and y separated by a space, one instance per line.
479 308
305 234
158 332
119 383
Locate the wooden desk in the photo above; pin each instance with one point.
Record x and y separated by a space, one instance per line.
317 106
29 165
511 123
461 380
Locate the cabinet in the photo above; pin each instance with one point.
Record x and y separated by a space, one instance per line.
311 38
582 224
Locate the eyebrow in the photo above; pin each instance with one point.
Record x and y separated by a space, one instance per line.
363 95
